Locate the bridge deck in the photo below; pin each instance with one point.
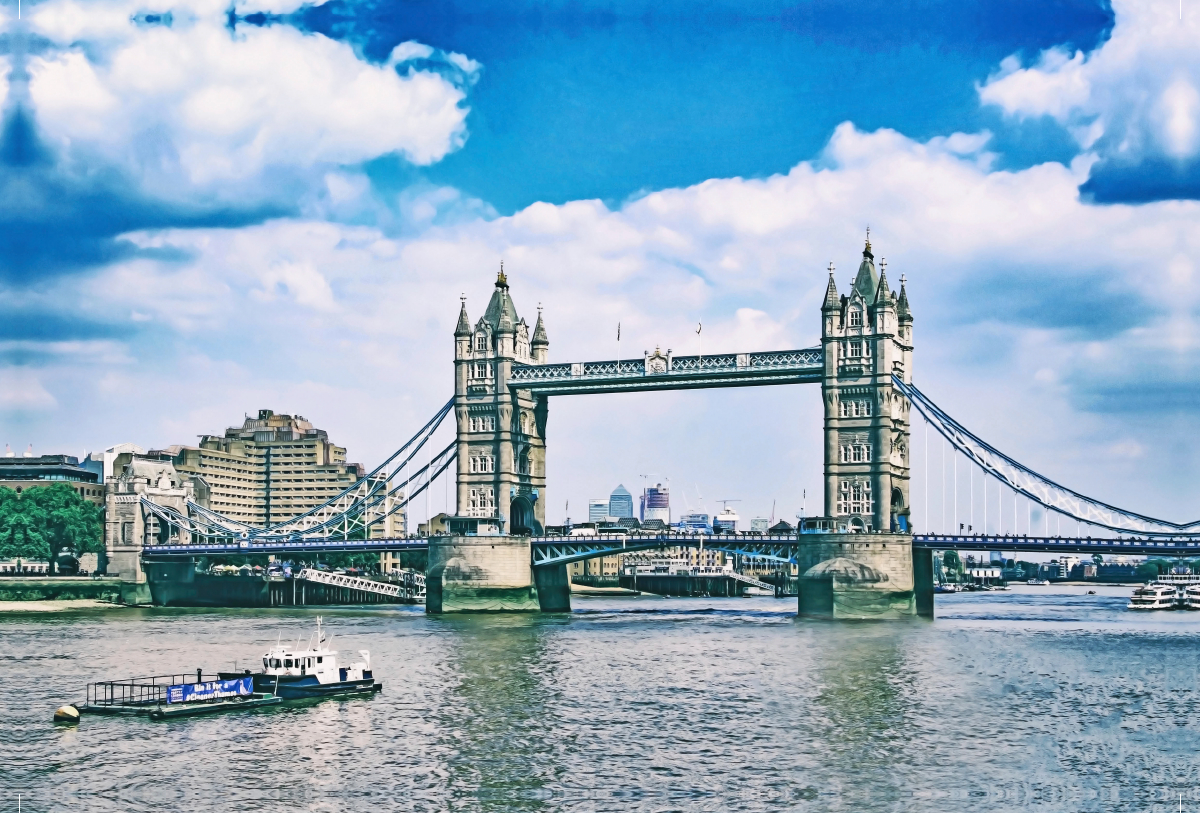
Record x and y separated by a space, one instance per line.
565 549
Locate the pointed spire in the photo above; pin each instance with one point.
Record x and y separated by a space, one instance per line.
464 323
867 281
902 303
883 294
539 330
832 301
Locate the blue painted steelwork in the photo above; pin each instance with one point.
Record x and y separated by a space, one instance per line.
282 547
1179 547
671 373
557 550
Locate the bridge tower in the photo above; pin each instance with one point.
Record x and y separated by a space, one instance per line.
501 432
867 338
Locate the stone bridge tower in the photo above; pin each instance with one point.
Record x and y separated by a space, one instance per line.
501 432
867 338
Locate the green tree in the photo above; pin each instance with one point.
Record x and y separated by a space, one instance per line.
71 522
952 562
40 522
1097 558
21 539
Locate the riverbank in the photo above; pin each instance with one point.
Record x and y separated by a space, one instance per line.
19 589
62 606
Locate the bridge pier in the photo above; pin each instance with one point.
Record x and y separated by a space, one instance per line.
553 584
856 576
923 581
473 574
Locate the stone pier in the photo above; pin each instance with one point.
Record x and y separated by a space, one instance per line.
857 576
469 574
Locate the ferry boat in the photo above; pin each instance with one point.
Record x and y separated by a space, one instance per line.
314 671
1191 597
1154 596
1037 582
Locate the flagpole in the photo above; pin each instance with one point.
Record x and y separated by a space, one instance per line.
700 337
618 348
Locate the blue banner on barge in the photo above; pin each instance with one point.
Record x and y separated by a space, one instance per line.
210 690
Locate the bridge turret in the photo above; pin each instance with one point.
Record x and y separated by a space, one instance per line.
541 343
501 432
866 420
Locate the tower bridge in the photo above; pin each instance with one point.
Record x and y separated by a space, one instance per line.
859 559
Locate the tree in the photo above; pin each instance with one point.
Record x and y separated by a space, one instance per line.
1098 559
40 522
951 561
20 538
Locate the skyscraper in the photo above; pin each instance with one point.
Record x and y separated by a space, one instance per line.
597 510
620 503
656 503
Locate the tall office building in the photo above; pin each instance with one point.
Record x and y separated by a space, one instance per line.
597 510
620 504
656 503
269 469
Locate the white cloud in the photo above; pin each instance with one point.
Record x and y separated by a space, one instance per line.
21 391
349 321
196 101
1137 90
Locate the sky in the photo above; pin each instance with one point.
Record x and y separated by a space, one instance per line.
210 209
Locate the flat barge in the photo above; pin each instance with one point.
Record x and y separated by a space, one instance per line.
165 697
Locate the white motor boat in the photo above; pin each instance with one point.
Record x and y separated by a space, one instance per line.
1154 596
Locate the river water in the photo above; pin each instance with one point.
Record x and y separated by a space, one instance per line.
1042 699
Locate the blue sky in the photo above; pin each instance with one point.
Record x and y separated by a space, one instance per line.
209 212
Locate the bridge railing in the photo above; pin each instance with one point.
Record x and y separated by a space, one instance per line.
812 358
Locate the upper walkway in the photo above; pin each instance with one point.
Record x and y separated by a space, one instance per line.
659 371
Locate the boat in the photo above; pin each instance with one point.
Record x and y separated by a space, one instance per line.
1037 582
1154 596
1191 597
311 672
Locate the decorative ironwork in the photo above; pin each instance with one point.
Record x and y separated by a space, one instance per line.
671 372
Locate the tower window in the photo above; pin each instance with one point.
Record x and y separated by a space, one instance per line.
855 317
481 342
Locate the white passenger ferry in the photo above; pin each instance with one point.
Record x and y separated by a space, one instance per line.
1191 597
1154 596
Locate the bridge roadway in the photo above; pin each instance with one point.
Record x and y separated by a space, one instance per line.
555 550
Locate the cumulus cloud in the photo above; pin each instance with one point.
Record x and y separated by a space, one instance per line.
1134 100
348 319
194 101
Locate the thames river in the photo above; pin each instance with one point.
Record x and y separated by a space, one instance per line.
1041 698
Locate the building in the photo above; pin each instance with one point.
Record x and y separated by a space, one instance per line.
28 471
759 525
598 511
500 432
695 523
102 462
656 503
268 470
620 503
867 338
